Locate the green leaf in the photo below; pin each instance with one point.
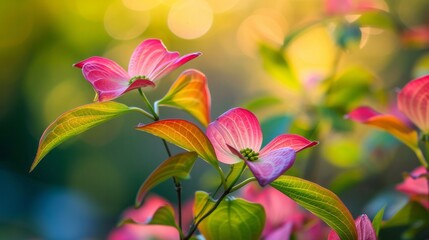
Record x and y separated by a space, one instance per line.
233 218
278 67
411 213
74 122
320 201
376 222
164 216
178 166
376 19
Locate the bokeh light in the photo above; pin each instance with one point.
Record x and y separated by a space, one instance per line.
124 24
190 19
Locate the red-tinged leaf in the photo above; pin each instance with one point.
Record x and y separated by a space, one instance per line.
321 202
74 122
190 93
234 218
389 123
185 135
178 166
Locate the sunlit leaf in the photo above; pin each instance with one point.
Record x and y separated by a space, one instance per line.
320 201
178 166
74 122
190 93
232 219
376 222
376 19
184 134
278 67
387 122
261 103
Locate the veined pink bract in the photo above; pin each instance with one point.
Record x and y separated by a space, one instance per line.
413 101
149 62
237 136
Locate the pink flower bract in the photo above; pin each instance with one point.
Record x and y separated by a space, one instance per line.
150 61
413 101
236 136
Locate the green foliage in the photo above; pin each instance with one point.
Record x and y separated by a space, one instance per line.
77 121
232 219
376 222
320 201
178 166
276 65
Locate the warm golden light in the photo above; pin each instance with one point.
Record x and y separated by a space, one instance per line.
124 24
190 19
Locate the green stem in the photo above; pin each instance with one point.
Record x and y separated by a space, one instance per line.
242 184
143 111
177 183
146 101
421 157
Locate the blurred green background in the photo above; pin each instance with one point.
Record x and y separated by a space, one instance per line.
80 189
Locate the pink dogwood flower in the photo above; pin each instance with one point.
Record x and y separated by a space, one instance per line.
237 136
365 230
416 186
149 62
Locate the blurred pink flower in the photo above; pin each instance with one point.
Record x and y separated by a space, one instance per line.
236 136
416 186
140 229
364 228
334 7
150 61
283 216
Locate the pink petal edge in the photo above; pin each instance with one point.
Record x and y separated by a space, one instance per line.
294 141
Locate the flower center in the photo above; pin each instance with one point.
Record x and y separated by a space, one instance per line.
133 79
249 154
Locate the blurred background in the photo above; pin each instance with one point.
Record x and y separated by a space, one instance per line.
335 57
